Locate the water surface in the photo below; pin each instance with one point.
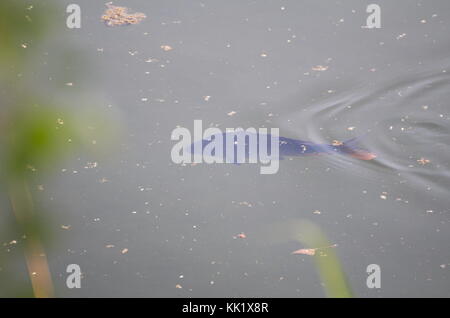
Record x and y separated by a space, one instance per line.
306 67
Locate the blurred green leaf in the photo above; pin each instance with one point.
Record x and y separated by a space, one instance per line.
35 138
327 262
22 24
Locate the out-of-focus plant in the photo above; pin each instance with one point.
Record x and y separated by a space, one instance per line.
33 139
22 25
327 263
317 246
34 136
21 138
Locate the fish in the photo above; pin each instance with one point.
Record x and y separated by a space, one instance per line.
252 144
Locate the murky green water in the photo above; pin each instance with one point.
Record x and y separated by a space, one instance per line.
141 225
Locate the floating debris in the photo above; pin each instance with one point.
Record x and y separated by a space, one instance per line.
151 60
124 251
65 227
305 251
311 251
166 48
243 203
115 16
423 161
337 143
320 68
232 113
91 165
241 236
178 286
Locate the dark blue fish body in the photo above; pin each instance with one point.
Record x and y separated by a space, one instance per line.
287 147
294 148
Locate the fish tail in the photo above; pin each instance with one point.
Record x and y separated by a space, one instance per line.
352 148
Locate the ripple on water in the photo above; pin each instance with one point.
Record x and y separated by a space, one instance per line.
406 122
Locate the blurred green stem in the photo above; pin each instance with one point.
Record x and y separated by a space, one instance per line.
327 263
36 259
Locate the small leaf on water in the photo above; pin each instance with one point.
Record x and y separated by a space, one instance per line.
310 251
305 251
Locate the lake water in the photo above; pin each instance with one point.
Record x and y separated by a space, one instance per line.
141 225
